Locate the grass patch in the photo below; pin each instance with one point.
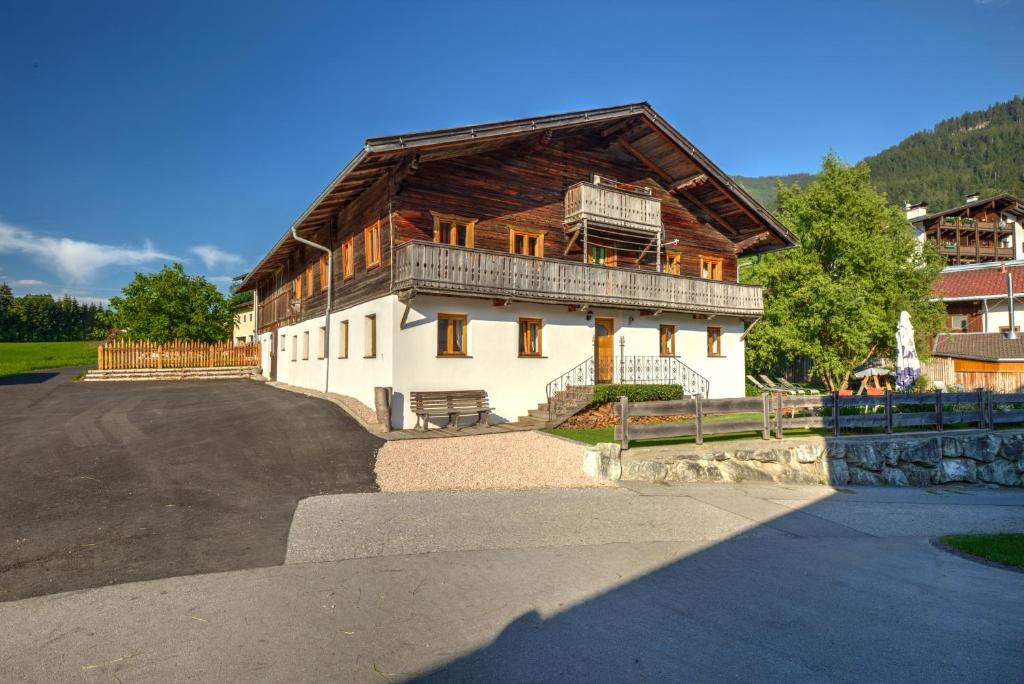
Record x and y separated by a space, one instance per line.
1007 549
22 357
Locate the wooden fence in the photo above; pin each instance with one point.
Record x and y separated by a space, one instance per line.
776 412
122 355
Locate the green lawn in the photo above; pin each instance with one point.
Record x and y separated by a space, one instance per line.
1001 548
21 357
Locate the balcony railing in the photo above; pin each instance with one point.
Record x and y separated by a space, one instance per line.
607 205
443 269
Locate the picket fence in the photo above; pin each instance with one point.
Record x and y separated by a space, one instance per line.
136 354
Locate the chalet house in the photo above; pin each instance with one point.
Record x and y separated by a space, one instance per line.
522 258
976 296
978 231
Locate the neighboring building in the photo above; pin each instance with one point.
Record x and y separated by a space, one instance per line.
245 322
978 231
991 361
514 257
976 296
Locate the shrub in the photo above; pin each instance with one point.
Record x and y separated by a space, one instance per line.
604 394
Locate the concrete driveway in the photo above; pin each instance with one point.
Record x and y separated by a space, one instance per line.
649 583
102 483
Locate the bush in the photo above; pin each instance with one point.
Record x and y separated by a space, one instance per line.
604 394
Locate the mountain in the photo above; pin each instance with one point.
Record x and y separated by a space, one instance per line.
976 152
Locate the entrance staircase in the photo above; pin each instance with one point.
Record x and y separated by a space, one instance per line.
563 405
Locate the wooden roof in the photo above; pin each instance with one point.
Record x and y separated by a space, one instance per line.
641 131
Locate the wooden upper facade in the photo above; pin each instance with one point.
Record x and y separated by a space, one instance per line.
607 207
975 232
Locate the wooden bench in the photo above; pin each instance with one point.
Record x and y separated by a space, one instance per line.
452 404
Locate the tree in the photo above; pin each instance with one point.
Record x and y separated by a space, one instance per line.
8 326
171 305
837 297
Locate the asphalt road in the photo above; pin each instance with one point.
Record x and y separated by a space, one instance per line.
102 483
650 583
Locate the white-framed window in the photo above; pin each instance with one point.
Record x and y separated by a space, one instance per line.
295 347
370 336
321 344
343 340
305 345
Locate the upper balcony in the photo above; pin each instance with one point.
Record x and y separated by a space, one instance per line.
607 203
432 268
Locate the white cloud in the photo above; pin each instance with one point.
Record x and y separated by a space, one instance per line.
214 257
28 281
75 260
227 280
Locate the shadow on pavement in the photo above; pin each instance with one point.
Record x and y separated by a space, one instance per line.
27 378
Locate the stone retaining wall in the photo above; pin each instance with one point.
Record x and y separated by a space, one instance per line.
899 460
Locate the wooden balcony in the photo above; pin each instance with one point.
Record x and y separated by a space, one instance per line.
972 251
281 309
604 203
426 267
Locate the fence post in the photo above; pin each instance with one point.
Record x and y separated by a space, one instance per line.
990 411
982 413
766 412
835 413
698 401
778 416
938 410
888 411
624 421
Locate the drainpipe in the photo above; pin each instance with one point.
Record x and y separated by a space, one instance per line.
327 316
1011 334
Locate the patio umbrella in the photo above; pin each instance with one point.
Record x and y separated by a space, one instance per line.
908 367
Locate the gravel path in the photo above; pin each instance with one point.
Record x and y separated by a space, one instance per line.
509 460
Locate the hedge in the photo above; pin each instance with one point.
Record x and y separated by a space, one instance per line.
604 394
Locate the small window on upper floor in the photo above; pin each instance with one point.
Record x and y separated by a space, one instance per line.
667 344
371 243
673 263
348 266
526 242
714 341
711 268
309 280
323 272
453 230
600 255
297 287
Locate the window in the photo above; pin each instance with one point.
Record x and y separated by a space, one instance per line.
451 334
453 230
667 336
714 341
305 345
343 340
370 337
348 267
323 272
601 255
298 286
283 339
525 242
322 343
309 280
371 241
711 268
295 347
529 337
673 263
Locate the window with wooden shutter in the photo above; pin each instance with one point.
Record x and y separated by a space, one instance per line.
529 337
453 230
323 272
309 280
526 242
667 344
348 268
297 289
371 243
714 341
711 268
673 263
451 334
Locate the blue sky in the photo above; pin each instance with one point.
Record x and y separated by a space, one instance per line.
133 134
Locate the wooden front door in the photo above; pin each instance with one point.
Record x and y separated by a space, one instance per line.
604 350
273 356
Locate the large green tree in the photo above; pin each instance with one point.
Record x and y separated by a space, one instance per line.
171 305
837 297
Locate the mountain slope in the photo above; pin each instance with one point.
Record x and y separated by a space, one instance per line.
975 152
